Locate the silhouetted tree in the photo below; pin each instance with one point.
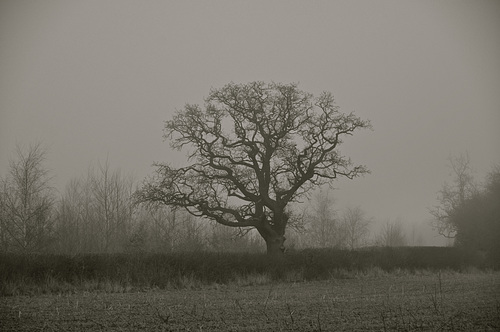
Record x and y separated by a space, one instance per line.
255 148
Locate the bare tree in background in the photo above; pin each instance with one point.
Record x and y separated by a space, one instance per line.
95 213
355 227
255 149
78 229
159 228
477 219
392 235
227 239
453 195
192 233
71 216
26 201
323 227
112 203
155 228
5 239
416 236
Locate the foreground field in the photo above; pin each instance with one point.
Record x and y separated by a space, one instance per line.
406 302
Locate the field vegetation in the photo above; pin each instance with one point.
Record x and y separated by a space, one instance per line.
105 256
344 299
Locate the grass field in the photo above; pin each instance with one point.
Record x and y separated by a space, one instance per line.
377 301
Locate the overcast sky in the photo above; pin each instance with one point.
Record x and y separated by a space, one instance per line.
96 79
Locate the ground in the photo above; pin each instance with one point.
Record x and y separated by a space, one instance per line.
387 302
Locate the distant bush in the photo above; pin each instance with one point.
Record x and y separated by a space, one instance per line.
127 272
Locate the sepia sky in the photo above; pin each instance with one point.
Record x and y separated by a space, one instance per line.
95 79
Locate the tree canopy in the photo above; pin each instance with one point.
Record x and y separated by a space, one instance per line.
253 149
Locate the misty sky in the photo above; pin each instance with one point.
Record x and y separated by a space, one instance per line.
96 79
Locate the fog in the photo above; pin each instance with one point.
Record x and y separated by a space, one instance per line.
94 80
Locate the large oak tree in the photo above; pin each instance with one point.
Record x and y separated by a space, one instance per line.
254 148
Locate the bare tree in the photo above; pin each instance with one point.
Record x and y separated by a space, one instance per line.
5 238
227 239
477 219
324 228
255 148
158 228
453 195
392 234
27 200
71 219
95 213
416 236
355 226
192 233
155 228
112 203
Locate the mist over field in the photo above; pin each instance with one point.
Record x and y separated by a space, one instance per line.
344 169
93 82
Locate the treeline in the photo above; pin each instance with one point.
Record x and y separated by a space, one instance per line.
96 213
321 225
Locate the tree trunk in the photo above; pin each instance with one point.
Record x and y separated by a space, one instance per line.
274 234
275 245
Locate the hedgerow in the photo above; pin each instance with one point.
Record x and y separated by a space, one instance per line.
31 273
